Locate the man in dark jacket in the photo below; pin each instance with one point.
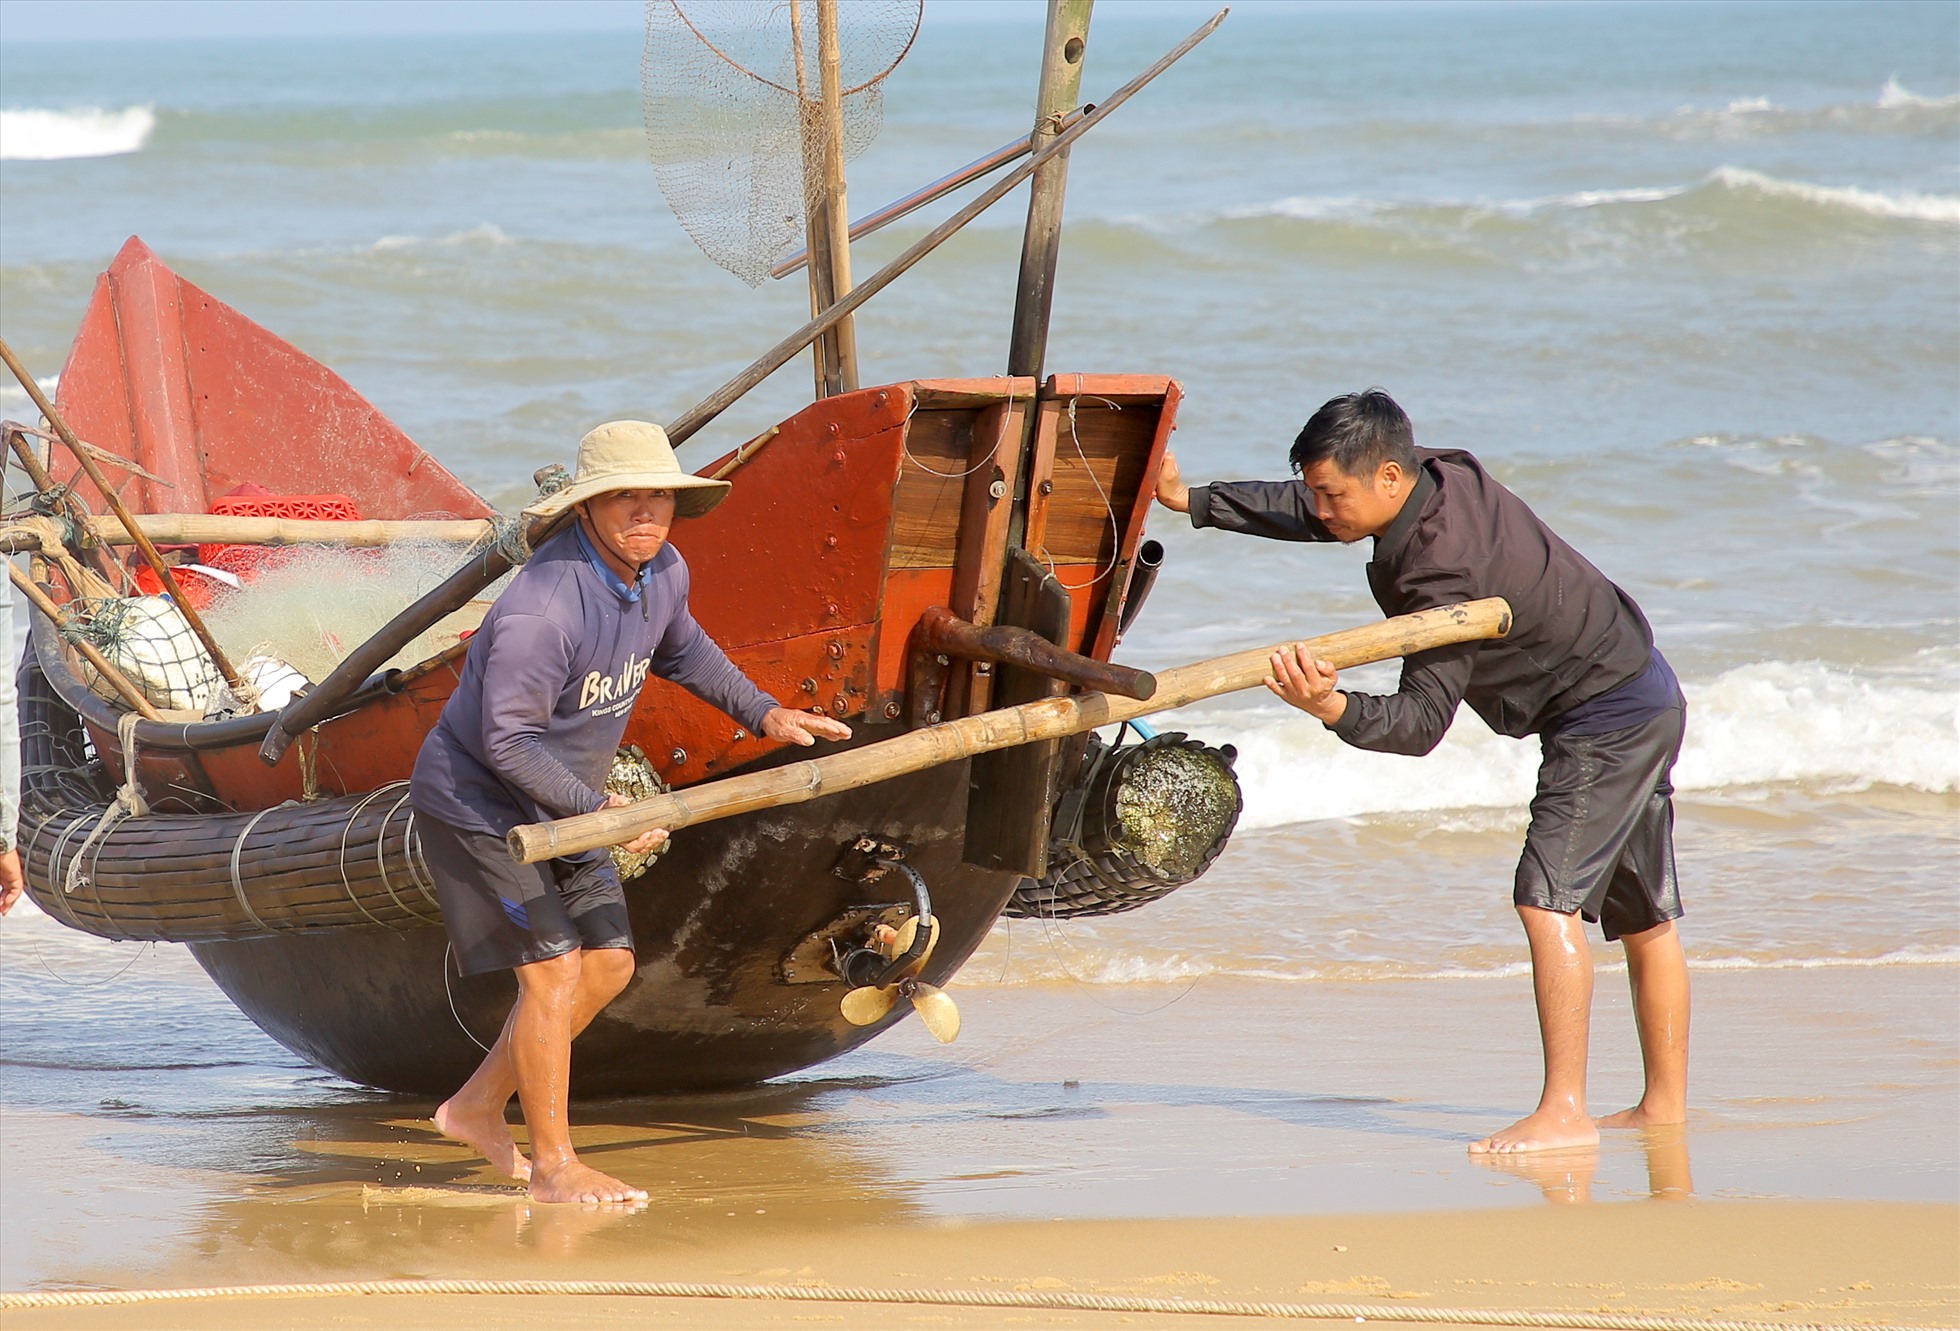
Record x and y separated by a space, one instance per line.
548 685
1579 669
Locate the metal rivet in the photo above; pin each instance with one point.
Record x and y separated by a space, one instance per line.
830 608
838 456
678 756
983 668
809 685
998 489
741 733
891 711
840 706
943 659
881 397
834 428
1048 487
830 542
933 717
836 650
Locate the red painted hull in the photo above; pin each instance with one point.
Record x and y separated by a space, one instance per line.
861 512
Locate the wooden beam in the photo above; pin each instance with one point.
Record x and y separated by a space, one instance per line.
1064 47
952 741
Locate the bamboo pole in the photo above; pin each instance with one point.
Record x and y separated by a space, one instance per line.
938 189
101 482
1049 718
837 216
816 240
220 529
117 680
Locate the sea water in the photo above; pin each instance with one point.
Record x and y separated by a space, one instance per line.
1687 278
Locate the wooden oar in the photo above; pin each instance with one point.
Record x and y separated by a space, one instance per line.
1050 718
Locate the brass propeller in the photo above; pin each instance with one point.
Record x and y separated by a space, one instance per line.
868 1004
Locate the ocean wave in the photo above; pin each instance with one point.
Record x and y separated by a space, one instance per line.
1723 183
1892 97
1903 204
1768 724
40 135
485 234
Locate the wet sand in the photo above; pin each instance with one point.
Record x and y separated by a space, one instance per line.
1230 1141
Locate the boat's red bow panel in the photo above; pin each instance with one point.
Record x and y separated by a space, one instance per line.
195 393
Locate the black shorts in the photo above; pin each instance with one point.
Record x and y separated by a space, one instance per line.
501 914
1601 842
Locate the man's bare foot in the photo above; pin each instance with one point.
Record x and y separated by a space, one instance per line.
579 1182
1541 1131
1641 1116
488 1133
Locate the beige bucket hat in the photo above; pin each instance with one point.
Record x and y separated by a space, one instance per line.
631 455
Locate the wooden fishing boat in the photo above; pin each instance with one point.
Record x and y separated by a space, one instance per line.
850 527
937 562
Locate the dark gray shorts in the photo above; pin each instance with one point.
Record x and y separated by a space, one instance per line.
501 914
1601 842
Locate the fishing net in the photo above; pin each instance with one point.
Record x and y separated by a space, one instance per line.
150 642
732 95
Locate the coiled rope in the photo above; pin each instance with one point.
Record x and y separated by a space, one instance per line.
1046 1300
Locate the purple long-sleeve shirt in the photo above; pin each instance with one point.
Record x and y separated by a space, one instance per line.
550 681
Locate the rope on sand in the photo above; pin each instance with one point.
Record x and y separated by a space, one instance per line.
1055 1300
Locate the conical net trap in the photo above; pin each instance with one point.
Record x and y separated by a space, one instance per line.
732 95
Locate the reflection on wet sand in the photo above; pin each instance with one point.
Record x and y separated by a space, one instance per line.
1565 1177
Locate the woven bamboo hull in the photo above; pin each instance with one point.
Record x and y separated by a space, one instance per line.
300 888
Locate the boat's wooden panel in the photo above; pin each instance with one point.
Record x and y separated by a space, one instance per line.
190 389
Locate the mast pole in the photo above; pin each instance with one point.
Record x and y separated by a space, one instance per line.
1063 49
810 139
837 217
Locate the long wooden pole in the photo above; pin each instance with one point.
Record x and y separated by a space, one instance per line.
779 355
1062 55
938 189
117 680
101 482
837 216
1050 718
223 529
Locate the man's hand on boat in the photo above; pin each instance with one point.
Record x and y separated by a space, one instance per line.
1172 492
789 726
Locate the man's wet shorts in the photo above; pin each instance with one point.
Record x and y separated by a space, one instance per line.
501 914
1602 827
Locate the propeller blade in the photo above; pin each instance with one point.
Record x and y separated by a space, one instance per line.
937 1010
863 1007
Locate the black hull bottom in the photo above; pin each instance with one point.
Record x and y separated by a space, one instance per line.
713 921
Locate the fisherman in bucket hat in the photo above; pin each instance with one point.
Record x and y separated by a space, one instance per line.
547 688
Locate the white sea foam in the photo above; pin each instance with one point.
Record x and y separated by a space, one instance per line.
1876 203
1774 723
1892 97
487 234
38 135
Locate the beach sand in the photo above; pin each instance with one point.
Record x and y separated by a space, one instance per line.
1068 1145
